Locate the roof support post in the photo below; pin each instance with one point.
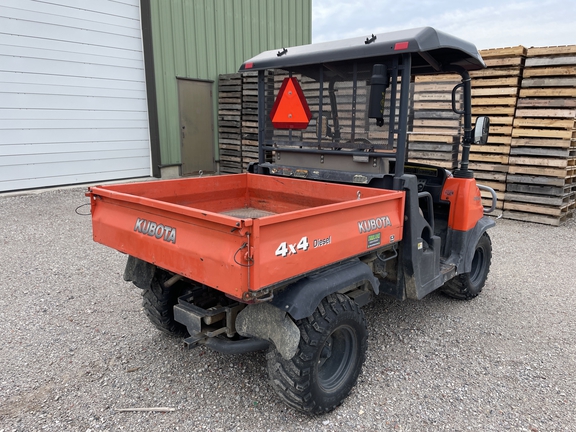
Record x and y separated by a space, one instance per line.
402 120
463 171
261 117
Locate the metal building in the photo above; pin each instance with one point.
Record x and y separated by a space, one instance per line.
95 91
72 93
192 42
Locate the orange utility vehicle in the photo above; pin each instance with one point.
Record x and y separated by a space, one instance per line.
284 257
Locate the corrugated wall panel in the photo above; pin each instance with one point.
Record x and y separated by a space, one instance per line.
201 39
72 93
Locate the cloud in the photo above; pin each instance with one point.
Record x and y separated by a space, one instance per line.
492 24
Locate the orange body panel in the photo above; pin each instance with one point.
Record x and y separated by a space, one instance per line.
179 225
465 203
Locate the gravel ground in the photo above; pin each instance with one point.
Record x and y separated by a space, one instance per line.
76 345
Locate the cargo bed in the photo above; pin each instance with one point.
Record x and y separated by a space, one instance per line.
244 232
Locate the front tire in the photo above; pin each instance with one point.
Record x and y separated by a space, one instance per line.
468 285
329 359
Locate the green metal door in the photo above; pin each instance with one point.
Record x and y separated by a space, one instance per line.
196 126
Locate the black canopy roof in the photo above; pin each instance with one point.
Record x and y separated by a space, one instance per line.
437 51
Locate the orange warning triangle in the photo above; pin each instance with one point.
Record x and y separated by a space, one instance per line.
290 110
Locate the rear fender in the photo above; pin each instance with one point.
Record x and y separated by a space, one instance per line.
463 244
302 298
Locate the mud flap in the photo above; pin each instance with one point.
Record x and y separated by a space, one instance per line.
139 272
267 322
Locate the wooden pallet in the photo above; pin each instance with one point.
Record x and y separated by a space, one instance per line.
494 94
229 123
435 130
432 105
434 149
543 147
537 218
249 119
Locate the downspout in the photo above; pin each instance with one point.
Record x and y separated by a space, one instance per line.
146 23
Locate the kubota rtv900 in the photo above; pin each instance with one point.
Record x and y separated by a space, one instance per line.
283 257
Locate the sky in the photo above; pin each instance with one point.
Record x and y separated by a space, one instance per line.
485 23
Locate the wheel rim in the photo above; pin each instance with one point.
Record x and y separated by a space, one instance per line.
337 358
477 266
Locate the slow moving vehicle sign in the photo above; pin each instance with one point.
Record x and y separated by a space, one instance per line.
290 110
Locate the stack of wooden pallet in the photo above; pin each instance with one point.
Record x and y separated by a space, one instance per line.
543 155
249 118
436 129
494 94
229 123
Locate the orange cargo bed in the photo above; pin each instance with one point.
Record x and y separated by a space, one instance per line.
244 232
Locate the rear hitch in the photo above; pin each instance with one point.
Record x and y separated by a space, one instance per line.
213 327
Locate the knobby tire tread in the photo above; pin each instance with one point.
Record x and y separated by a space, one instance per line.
293 379
158 304
460 287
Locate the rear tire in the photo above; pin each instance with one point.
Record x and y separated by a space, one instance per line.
158 303
329 359
468 285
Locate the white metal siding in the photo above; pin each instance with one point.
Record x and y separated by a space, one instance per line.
72 93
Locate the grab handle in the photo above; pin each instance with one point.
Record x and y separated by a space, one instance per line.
494 197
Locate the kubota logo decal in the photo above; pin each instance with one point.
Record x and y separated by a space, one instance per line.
374 224
154 229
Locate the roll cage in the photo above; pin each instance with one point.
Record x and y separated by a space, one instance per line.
342 143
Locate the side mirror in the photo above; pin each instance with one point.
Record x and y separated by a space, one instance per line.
481 129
